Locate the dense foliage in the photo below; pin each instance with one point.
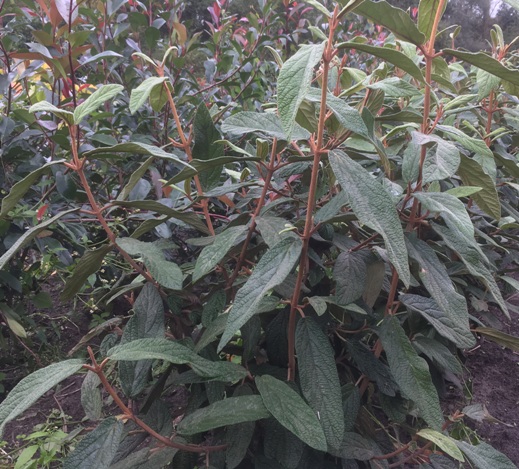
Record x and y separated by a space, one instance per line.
293 210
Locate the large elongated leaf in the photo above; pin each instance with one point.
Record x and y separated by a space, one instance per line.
374 207
436 279
426 15
319 379
484 456
32 387
291 411
398 59
410 371
444 442
135 148
230 411
294 80
21 187
45 106
173 352
266 123
350 273
142 92
443 324
207 146
394 19
211 255
167 273
271 270
487 63
89 264
472 174
95 100
474 259
98 448
29 235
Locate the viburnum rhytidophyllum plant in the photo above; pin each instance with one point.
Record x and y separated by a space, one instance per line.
344 229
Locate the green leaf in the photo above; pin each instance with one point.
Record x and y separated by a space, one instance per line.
513 3
98 448
211 255
44 106
135 178
441 163
484 456
142 92
32 387
500 338
398 59
410 371
486 83
394 87
374 207
95 100
473 258
12 320
438 353
347 116
282 445
213 330
443 324
394 19
135 148
207 146
427 12
317 5
294 80
472 144
463 191
90 262
165 272
271 270
266 123
444 442
357 447
319 379
91 400
21 187
291 411
350 273
230 411
436 279
271 229
153 206
174 352
29 235
487 63
472 174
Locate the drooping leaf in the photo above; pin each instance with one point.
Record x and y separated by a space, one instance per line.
500 338
140 94
487 63
98 448
291 411
211 255
174 352
427 12
29 235
294 80
134 148
355 446
472 174
436 279
229 411
266 123
95 100
271 270
91 400
374 207
21 187
273 229
207 146
213 330
394 87
319 379
484 456
44 106
165 272
33 386
444 442
394 19
438 353
319 6
410 371
68 9
398 59
443 324
89 264
486 83
350 273
135 177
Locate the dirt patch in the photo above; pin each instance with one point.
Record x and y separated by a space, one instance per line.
494 374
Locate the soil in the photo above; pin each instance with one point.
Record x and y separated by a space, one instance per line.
492 377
